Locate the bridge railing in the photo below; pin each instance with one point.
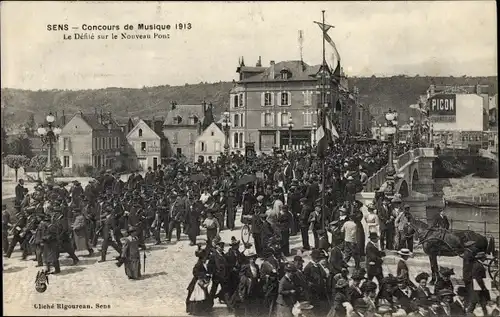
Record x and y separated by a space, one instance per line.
377 179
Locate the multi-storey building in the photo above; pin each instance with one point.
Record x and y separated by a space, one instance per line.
146 144
90 139
183 124
266 99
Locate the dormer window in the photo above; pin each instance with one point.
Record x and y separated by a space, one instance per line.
194 119
285 74
177 120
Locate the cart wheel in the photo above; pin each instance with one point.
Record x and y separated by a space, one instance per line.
493 267
245 233
496 280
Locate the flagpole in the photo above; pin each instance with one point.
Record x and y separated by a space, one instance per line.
323 117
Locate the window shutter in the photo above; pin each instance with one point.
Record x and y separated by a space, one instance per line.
262 99
262 119
273 119
279 119
69 144
242 118
241 100
289 98
278 99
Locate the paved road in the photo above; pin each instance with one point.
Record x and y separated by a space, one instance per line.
161 292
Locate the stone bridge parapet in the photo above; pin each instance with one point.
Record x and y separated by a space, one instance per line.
413 179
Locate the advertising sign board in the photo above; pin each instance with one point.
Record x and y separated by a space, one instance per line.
443 105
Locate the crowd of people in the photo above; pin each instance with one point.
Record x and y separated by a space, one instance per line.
280 195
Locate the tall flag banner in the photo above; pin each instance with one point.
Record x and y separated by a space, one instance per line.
326 134
325 27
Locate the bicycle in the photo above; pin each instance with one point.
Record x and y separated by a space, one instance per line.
246 230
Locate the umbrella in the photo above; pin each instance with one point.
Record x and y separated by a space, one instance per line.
245 179
198 177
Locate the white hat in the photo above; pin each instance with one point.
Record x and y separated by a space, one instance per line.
404 252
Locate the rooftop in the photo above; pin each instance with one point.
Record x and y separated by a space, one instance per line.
185 113
99 121
298 71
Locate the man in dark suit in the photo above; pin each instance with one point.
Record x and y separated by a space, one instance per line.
258 219
293 201
177 216
286 292
336 259
316 277
20 191
374 258
106 223
217 267
458 307
312 191
304 222
149 177
386 224
441 221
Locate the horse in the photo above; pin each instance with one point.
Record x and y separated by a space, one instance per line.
441 242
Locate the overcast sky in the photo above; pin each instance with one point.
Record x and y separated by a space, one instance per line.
373 38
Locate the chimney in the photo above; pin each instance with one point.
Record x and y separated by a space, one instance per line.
259 62
271 71
63 119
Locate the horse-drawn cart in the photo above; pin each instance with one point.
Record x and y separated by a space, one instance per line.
493 270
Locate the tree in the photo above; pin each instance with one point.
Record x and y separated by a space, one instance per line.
39 162
16 162
21 146
4 142
31 126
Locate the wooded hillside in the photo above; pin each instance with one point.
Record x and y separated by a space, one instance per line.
396 92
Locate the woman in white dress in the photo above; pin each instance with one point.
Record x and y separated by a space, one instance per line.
372 220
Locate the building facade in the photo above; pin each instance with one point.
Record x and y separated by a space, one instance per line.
210 143
145 147
181 127
266 99
459 115
90 140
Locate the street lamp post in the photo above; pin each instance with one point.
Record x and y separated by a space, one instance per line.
226 124
290 127
412 132
49 134
391 131
314 129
